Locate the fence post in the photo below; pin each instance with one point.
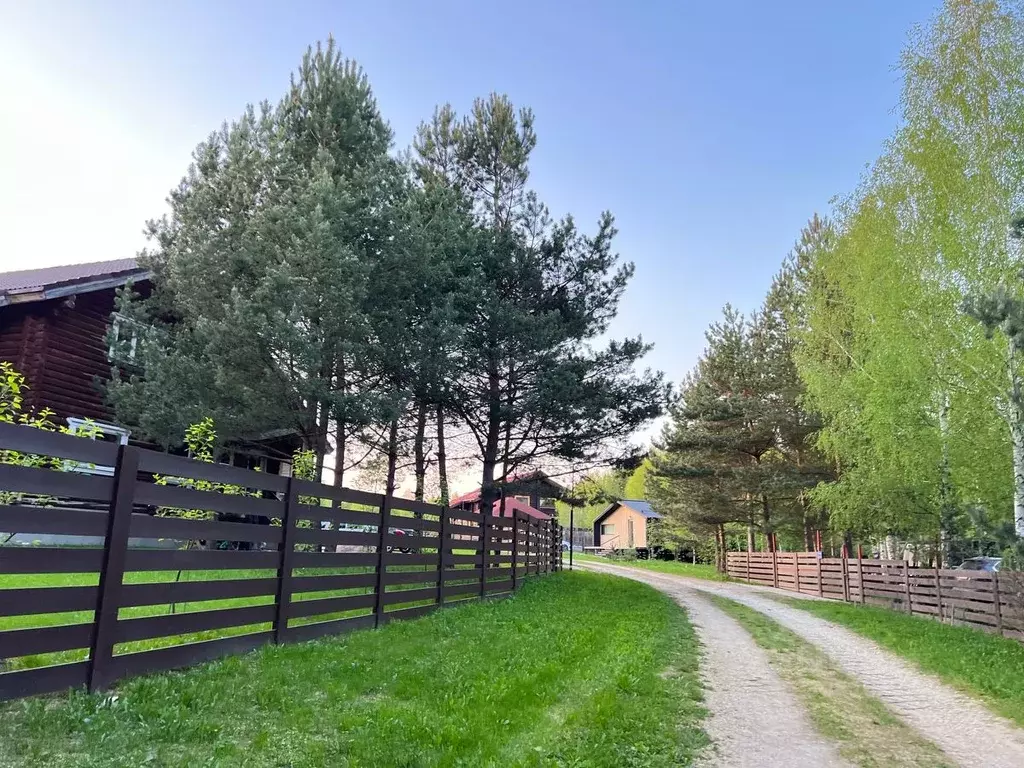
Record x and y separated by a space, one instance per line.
938 593
515 549
441 547
747 558
383 524
796 567
526 545
821 589
115 553
860 576
846 576
775 568
284 568
906 585
999 608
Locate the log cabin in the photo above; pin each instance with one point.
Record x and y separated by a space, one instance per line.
54 328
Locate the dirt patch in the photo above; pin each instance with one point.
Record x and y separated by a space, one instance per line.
963 728
754 719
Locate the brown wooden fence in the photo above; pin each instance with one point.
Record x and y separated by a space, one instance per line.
275 560
990 601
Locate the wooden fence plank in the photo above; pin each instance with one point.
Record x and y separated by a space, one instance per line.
32 682
30 601
51 482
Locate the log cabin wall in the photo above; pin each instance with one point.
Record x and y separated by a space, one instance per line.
60 345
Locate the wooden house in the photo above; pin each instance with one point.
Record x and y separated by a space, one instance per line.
624 525
55 328
532 494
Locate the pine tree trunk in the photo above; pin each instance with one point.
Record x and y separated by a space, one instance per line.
321 440
340 435
808 530
339 454
766 517
442 458
392 458
488 490
419 452
751 542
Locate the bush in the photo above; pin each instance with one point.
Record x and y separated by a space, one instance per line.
625 555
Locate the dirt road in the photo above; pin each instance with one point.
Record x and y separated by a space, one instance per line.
964 729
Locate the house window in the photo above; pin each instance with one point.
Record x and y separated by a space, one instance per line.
124 339
523 500
548 503
607 528
95 430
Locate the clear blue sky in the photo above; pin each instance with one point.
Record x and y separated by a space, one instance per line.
712 130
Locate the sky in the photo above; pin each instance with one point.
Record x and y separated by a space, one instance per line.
712 130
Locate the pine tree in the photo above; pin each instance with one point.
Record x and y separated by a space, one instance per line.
262 268
525 379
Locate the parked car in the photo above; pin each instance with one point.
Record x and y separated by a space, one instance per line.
990 564
354 528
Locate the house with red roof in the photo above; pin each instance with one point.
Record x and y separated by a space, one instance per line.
532 494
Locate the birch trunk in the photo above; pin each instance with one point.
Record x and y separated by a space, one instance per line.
1015 420
946 505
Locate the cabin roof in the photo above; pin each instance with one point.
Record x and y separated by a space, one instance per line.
53 282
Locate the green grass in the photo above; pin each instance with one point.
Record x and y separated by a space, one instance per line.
673 567
577 669
865 732
987 666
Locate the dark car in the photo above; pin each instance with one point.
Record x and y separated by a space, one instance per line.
990 564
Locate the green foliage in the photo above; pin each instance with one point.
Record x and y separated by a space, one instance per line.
912 391
639 707
736 449
201 440
529 378
307 280
260 321
13 411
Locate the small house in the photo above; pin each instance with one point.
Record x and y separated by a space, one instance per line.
624 525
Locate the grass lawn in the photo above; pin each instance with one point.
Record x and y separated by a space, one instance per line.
674 567
865 732
987 666
578 669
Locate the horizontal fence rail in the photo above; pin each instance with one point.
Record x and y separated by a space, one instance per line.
195 561
986 600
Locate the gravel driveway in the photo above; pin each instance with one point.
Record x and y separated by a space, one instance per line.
964 729
754 719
